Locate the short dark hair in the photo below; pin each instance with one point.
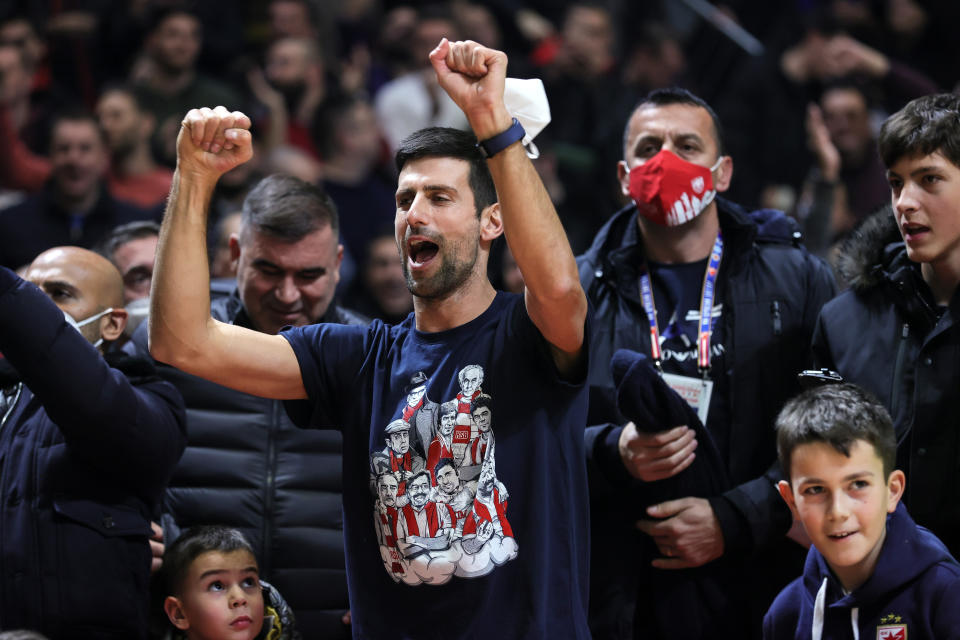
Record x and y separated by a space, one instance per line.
444 142
77 114
125 233
482 400
839 415
675 95
443 462
288 209
128 90
422 472
926 125
191 544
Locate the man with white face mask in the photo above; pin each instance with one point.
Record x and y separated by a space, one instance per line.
88 439
723 303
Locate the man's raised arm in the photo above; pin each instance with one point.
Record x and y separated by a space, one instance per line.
182 333
473 76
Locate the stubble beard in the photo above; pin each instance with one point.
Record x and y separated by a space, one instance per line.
449 277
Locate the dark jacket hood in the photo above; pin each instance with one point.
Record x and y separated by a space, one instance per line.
870 250
908 551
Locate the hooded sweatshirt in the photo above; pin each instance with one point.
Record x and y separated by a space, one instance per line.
914 593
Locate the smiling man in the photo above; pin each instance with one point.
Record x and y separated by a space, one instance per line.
454 198
895 331
288 262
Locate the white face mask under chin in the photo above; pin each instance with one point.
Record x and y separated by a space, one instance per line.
76 325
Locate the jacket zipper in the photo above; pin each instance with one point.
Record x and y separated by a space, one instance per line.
775 317
895 392
266 564
13 405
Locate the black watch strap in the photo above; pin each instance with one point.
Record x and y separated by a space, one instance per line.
492 146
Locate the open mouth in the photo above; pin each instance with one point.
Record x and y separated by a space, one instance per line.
421 251
841 536
912 230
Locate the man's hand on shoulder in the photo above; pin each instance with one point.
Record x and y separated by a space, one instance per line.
212 142
473 76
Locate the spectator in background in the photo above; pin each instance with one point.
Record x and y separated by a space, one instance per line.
20 167
583 88
222 265
415 100
381 291
292 19
74 206
128 129
132 249
354 174
295 68
90 437
848 181
765 104
283 491
166 78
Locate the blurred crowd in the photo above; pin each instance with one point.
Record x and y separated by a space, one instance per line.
92 94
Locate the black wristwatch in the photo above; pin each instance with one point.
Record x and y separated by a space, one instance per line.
492 146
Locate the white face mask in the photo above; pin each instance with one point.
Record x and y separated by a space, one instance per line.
137 312
76 325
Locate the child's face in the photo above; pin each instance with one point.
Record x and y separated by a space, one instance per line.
221 598
843 504
926 204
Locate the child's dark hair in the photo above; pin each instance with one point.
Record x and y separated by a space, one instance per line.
926 125
191 544
839 415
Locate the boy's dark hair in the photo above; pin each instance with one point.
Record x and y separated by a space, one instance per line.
192 543
839 415
288 209
443 142
926 125
676 95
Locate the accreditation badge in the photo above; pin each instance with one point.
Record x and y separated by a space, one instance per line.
696 391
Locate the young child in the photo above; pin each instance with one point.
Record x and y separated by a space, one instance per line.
213 590
871 572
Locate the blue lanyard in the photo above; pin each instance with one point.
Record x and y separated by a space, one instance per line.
706 310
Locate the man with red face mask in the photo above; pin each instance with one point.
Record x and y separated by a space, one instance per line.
723 302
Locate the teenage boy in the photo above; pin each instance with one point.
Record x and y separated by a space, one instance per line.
871 572
895 331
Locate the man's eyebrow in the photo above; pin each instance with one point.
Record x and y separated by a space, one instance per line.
58 284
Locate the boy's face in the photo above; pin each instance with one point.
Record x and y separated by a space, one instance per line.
843 504
926 203
221 598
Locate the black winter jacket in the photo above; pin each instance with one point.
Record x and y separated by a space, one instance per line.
248 466
771 289
886 334
86 449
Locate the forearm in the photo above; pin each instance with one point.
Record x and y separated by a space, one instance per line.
180 295
555 300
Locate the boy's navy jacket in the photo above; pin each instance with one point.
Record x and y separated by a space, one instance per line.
914 593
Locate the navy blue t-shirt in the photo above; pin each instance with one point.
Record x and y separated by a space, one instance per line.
464 482
677 291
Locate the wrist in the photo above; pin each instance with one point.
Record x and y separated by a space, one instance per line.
488 125
490 147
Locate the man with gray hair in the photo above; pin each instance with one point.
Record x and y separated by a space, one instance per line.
246 465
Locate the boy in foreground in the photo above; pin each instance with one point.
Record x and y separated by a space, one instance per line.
871 572
213 590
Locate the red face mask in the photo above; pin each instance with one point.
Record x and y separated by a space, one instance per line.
669 190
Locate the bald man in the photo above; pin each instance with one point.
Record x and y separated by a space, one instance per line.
88 440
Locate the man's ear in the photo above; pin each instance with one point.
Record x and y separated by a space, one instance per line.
723 174
623 177
175 613
113 324
896 484
234 244
786 492
491 223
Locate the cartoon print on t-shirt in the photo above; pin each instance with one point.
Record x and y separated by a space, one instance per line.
446 517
